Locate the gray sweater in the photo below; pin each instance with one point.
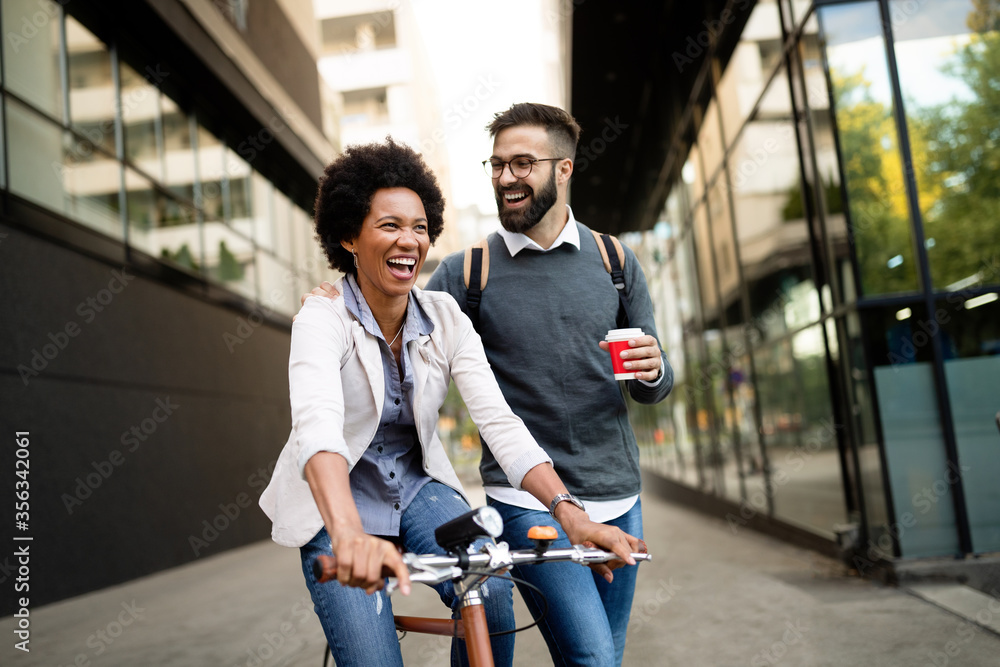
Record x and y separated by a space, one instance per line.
541 317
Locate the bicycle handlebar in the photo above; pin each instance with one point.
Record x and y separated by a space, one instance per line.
437 568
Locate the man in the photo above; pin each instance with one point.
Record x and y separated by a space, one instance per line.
547 306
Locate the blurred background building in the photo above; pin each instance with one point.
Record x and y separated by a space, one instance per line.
159 166
373 59
811 187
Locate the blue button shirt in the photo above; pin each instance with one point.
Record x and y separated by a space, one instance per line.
390 473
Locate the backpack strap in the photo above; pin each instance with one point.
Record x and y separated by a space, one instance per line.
475 272
614 258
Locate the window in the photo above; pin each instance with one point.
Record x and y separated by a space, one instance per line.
869 151
949 76
32 67
365 107
362 32
91 87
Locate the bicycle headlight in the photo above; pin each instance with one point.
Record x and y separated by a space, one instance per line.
489 520
462 531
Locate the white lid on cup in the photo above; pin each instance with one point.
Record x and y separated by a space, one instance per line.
623 334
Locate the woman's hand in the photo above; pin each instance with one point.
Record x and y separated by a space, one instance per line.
581 530
362 557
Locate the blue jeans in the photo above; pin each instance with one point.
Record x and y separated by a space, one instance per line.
588 617
360 627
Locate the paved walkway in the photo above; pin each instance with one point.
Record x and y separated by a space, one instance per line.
710 598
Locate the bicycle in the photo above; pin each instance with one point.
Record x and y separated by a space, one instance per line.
469 571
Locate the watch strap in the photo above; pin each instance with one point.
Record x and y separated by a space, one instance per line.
568 498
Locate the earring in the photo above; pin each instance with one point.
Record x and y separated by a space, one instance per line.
355 253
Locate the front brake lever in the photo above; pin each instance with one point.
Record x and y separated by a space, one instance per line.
423 574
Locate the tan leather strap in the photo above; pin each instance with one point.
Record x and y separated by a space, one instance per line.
467 265
604 251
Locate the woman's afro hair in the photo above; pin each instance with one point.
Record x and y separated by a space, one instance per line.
349 183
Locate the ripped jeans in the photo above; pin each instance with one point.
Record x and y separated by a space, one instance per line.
360 627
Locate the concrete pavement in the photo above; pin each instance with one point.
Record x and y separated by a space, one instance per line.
711 597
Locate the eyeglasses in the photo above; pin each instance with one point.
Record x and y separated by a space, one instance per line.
520 167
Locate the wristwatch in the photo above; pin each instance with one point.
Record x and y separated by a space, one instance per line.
568 498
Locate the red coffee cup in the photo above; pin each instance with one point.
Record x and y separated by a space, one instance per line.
618 340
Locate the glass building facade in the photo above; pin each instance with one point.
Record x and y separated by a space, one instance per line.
826 272
90 137
154 244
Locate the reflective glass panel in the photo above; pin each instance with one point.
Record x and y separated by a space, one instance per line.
239 200
753 62
693 177
799 8
278 286
970 328
724 251
836 243
211 159
178 159
771 226
261 192
62 172
703 397
160 225
323 270
862 402
301 230
706 272
141 120
282 226
876 191
803 436
229 259
91 86
900 344
948 55
686 275
727 460
31 53
744 400
710 141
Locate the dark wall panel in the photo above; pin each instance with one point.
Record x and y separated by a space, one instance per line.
142 423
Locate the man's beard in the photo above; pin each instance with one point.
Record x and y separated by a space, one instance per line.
521 221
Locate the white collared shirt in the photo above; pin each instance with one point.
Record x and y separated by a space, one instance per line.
516 242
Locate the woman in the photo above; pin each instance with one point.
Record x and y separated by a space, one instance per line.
363 469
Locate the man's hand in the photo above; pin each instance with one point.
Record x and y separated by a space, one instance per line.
361 557
643 357
581 530
325 289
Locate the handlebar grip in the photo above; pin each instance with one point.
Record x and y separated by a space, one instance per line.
325 569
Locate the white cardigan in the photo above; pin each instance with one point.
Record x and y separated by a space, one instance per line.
337 387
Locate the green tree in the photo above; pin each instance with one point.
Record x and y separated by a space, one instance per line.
960 141
876 194
229 269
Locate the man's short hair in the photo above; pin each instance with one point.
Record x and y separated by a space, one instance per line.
562 128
